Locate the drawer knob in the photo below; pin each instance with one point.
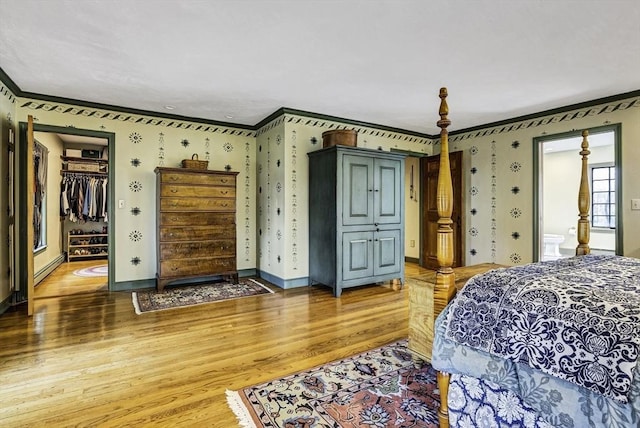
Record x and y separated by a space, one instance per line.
175 219
224 192
174 190
174 178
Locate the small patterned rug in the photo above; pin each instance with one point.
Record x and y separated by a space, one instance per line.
102 270
177 297
378 388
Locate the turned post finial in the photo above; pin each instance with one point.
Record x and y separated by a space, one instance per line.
584 200
444 122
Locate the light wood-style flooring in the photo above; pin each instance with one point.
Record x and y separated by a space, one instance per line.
86 359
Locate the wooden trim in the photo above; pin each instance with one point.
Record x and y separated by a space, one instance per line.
29 197
4 78
284 110
356 123
550 112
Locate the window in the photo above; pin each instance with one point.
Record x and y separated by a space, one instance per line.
40 155
603 196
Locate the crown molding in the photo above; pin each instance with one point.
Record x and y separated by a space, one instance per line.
4 78
550 112
13 87
311 115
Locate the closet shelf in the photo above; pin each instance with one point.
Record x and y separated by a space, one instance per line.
89 160
96 173
80 245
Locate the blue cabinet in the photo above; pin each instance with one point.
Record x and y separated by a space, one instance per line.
356 217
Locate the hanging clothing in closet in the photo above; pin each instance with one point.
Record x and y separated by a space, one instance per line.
83 197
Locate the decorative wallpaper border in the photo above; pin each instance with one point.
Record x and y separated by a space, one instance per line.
362 130
269 126
6 92
137 119
334 124
541 121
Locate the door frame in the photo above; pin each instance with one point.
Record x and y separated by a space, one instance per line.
23 226
537 182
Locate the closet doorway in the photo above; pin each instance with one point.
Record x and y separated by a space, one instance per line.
72 249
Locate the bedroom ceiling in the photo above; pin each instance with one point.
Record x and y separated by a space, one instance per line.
373 61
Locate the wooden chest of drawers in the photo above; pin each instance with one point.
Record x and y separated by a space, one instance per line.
196 224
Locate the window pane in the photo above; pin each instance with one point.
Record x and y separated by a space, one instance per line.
600 173
600 209
601 186
600 197
600 221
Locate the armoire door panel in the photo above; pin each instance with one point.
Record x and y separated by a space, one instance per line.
358 196
387 190
357 255
387 252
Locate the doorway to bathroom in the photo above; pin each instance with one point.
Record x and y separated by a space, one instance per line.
557 166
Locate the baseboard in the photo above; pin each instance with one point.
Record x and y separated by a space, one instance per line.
5 304
50 267
285 283
139 284
411 260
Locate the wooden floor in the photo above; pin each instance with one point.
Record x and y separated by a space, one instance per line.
86 359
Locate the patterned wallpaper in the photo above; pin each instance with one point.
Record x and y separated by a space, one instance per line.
283 166
141 144
499 206
273 166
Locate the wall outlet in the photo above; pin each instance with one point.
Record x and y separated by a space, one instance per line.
412 243
635 204
121 203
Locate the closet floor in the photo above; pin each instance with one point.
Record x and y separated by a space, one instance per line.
63 281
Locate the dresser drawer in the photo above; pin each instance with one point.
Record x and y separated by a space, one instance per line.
197 178
198 219
198 191
179 250
196 233
195 267
197 204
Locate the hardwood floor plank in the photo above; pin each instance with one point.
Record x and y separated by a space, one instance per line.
86 358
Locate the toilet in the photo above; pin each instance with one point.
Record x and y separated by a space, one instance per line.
552 246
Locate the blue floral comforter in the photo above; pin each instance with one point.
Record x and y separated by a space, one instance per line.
556 401
577 319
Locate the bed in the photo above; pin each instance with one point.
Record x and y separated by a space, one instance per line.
547 344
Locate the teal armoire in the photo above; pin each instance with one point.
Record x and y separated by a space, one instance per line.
356 217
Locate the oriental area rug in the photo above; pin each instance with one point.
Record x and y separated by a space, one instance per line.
189 295
378 388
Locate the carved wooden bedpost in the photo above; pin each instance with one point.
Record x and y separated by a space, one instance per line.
584 201
445 277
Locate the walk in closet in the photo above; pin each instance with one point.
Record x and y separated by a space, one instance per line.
71 212
83 201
